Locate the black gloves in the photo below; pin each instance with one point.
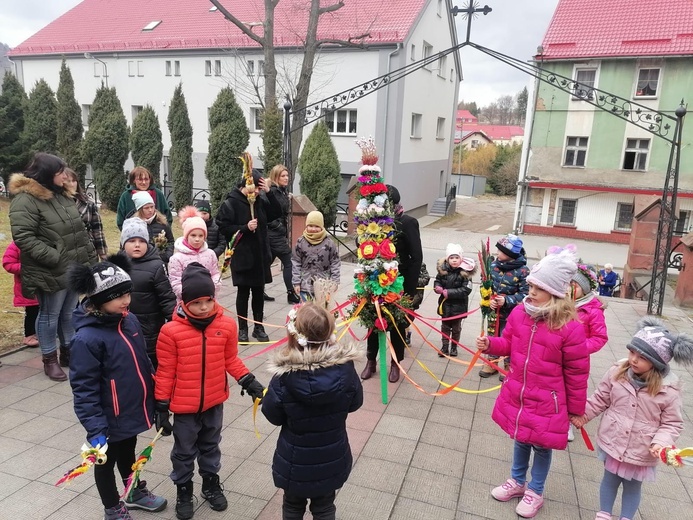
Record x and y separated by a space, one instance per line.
252 386
161 417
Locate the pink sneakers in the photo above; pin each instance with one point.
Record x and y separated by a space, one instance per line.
530 504
603 515
508 490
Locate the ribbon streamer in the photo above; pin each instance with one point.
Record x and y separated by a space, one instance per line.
90 456
586 438
142 459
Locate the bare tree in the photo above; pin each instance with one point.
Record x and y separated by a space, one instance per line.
505 104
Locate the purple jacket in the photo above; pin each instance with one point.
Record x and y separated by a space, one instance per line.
547 380
591 314
634 420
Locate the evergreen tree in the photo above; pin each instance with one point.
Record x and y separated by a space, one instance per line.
272 120
106 146
320 172
521 101
14 154
180 155
40 119
228 138
69 124
145 142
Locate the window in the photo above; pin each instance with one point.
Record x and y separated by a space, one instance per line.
475 143
250 66
136 109
413 52
98 69
584 83
260 68
567 208
151 25
168 67
427 52
440 128
132 68
648 81
682 225
208 67
140 68
452 75
415 126
635 156
255 119
341 121
176 68
575 152
86 109
442 66
217 67
440 8
624 217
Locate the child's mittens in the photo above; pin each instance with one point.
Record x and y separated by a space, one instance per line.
438 289
252 386
98 442
162 419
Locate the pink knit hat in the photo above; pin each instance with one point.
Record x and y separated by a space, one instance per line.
554 272
190 219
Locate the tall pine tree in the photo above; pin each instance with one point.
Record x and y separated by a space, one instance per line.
145 142
106 145
69 124
14 154
228 138
321 172
40 119
180 155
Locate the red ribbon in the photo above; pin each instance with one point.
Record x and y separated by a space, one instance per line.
586 438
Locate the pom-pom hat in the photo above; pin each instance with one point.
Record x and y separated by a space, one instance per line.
190 219
657 344
134 228
554 272
453 249
104 281
511 245
141 198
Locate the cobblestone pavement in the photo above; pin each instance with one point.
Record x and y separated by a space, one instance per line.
418 457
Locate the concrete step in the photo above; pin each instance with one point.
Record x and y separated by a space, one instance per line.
438 207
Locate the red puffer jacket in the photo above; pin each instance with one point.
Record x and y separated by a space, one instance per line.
193 363
547 381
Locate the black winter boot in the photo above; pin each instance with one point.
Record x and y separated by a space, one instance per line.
184 501
214 493
242 330
453 351
259 333
64 356
443 350
292 298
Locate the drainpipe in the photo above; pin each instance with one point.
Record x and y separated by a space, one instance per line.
387 106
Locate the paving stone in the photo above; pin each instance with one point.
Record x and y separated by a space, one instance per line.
456 417
38 461
398 426
41 402
38 428
14 394
438 489
13 374
13 418
365 420
252 479
35 501
12 447
382 447
39 381
357 502
409 408
378 474
408 509
440 460
445 436
10 483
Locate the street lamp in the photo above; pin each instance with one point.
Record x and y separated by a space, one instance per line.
89 56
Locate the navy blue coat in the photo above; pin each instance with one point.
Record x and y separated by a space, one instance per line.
111 375
310 396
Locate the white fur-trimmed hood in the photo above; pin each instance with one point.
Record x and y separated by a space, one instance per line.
285 360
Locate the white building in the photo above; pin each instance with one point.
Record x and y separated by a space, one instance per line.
145 49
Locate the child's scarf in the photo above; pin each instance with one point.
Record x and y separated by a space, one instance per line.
187 244
315 238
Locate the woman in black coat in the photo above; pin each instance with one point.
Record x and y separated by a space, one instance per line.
251 261
278 229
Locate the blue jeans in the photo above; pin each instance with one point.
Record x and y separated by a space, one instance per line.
540 468
55 319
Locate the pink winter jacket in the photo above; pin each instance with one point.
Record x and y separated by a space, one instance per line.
12 264
547 380
183 256
633 419
591 315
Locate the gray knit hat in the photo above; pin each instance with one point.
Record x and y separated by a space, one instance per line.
554 272
586 278
134 227
657 344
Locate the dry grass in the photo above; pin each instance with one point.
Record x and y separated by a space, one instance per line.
11 318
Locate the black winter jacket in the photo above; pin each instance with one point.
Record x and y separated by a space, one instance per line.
458 283
277 229
152 300
407 240
250 263
110 375
310 395
215 240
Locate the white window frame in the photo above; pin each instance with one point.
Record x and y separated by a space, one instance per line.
136 110
168 67
559 213
255 119
415 131
475 143
176 68
132 68
427 53
332 120
452 75
685 228
442 66
98 69
260 68
638 151
86 110
412 51
208 67
576 149
217 67
440 8
250 68
617 219
637 81
440 129
140 68
580 94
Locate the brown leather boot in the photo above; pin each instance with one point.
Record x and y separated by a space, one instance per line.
394 373
369 370
52 368
64 356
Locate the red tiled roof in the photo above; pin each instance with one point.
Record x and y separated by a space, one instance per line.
598 29
116 26
494 132
466 115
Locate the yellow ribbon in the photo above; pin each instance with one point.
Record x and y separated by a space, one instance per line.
256 404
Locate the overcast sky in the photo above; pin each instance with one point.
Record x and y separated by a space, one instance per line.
514 28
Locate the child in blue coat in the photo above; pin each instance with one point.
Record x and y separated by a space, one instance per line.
313 389
111 378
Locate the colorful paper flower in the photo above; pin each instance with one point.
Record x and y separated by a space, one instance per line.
387 249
